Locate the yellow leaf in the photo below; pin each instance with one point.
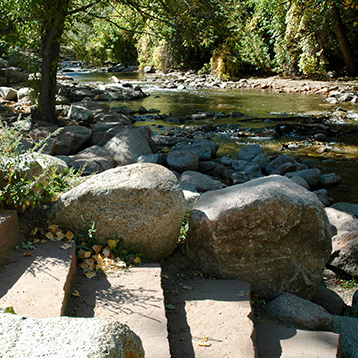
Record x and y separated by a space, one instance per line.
50 236
36 241
98 259
27 254
90 274
66 246
59 235
34 231
83 266
91 264
53 228
204 342
75 293
96 249
137 260
112 244
69 235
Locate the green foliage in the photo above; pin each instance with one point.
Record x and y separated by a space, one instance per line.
348 284
20 188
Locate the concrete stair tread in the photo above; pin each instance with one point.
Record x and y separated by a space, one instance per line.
217 309
37 285
274 341
134 297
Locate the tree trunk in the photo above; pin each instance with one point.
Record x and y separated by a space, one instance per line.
53 21
345 46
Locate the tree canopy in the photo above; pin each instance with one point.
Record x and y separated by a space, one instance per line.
225 37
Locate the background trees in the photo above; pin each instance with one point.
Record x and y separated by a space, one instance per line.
225 37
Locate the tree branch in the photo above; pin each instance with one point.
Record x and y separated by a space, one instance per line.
84 7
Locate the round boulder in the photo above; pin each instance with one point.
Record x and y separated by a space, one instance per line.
270 232
142 204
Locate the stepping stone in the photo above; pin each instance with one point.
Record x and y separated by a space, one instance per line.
133 297
9 232
273 341
38 285
212 319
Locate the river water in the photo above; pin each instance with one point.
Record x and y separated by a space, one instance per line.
264 107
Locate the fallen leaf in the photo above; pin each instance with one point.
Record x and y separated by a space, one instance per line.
34 231
36 241
187 287
66 246
96 249
59 235
106 252
83 266
112 244
83 254
9 309
121 264
137 260
69 235
90 274
53 228
91 264
27 254
165 276
50 236
75 293
204 342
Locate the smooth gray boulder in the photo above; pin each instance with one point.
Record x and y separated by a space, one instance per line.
343 221
329 300
181 161
142 204
203 148
8 93
67 337
301 313
312 176
273 167
71 139
270 232
254 153
346 207
201 182
80 113
129 144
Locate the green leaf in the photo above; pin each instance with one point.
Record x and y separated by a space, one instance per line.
7 310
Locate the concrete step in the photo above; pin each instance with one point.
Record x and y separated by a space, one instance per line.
39 285
9 232
134 297
274 341
211 318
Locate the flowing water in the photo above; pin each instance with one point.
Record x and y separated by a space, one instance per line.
264 108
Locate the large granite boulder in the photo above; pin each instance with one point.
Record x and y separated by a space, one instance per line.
129 144
66 337
270 232
71 139
142 204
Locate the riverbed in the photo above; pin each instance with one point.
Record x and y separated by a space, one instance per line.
262 110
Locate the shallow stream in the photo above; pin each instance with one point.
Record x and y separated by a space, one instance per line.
263 110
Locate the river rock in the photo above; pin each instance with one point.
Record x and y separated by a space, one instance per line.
347 327
251 169
203 148
182 160
157 158
129 144
300 181
354 309
80 113
346 258
312 176
201 182
330 179
8 93
341 220
270 232
80 93
301 313
273 167
71 139
91 160
15 76
250 152
329 300
66 337
142 204
346 207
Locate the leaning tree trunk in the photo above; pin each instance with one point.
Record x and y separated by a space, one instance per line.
53 22
345 46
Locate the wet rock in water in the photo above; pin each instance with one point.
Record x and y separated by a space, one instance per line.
312 176
330 179
329 300
321 137
129 144
143 204
239 178
182 160
237 114
346 207
269 231
142 110
206 166
250 152
69 337
347 327
198 116
201 182
301 313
